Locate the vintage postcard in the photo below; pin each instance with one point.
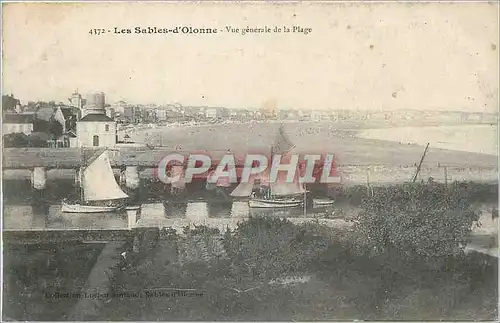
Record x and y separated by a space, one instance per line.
250 161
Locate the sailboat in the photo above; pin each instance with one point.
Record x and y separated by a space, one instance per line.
280 194
99 191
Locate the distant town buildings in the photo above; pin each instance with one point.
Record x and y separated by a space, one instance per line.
161 114
91 122
110 112
130 114
210 113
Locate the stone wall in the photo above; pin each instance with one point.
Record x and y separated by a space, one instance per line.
381 174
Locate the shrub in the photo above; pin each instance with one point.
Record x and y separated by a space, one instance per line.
419 222
15 140
476 191
271 247
353 194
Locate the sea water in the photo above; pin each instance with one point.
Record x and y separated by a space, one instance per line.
470 138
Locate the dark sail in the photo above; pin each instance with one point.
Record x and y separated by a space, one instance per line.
282 144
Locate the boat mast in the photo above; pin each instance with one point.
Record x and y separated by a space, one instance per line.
80 174
270 192
305 199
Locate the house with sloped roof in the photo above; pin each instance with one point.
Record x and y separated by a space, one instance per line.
96 130
67 117
17 123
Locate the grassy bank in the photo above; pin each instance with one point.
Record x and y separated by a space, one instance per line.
404 260
33 273
270 269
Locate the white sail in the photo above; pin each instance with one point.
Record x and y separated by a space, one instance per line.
264 177
243 190
177 170
222 181
98 181
39 178
197 212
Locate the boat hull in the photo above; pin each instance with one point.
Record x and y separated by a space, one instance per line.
133 208
262 203
78 208
323 202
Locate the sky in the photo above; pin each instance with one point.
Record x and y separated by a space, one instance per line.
383 56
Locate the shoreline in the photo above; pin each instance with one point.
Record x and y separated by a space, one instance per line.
344 126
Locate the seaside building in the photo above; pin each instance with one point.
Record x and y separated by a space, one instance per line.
161 114
96 130
67 140
76 100
120 106
210 113
18 123
110 112
476 116
133 114
129 112
66 117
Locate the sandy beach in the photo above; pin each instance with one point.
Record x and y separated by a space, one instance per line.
339 139
374 159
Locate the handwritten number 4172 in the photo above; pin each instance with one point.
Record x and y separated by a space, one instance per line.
97 31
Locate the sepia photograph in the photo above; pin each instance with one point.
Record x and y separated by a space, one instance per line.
250 161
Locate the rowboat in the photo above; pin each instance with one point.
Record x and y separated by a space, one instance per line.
79 208
274 203
322 202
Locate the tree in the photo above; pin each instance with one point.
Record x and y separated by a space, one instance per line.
9 103
38 139
55 129
12 140
418 222
414 230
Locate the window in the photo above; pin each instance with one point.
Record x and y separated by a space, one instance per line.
107 127
95 141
